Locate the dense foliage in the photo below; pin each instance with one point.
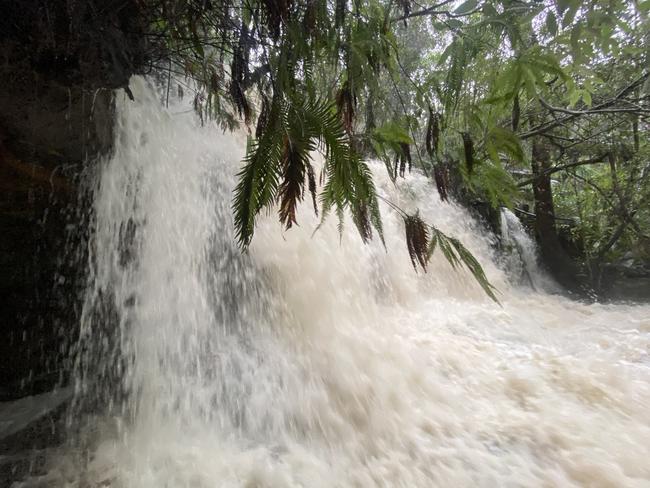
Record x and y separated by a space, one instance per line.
490 98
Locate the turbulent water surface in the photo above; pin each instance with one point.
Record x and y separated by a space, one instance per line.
317 361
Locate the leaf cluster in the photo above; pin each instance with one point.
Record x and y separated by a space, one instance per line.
422 241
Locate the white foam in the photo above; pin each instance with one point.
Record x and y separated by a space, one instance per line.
320 361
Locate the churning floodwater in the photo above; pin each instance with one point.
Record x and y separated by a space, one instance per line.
314 360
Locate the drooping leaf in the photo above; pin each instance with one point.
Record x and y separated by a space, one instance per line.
466 7
238 75
500 140
404 159
263 117
295 163
417 237
433 133
393 133
311 179
346 104
441 177
347 179
257 186
474 267
456 254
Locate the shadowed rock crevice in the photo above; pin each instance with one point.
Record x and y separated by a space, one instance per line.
60 62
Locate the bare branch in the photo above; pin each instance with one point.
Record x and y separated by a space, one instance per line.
546 126
433 10
592 111
555 169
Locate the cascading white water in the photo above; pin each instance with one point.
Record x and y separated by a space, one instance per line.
317 361
522 260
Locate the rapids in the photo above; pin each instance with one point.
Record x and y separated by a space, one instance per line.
318 361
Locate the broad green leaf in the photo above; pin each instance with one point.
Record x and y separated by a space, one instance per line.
454 23
496 185
392 133
574 96
489 10
500 139
466 7
446 53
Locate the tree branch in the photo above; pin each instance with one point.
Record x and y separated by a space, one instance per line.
546 126
555 169
428 11
592 111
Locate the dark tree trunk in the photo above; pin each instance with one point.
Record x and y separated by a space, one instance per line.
561 266
544 210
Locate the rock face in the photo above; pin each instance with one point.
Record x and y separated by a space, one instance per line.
626 280
60 61
48 133
51 124
36 300
30 426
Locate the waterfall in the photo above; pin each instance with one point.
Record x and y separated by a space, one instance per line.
520 249
313 360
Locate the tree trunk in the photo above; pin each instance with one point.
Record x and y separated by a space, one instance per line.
561 266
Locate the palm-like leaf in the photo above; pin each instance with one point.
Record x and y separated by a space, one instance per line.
456 254
260 176
277 164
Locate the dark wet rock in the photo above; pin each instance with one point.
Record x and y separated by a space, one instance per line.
28 428
60 62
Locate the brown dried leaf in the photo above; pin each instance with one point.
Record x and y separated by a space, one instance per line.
417 239
291 188
441 175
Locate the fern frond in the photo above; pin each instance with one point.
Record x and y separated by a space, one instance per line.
298 145
456 254
422 241
348 180
417 236
458 52
311 178
405 159
263 118
474 267
278 164
293 179
259 177
346 104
